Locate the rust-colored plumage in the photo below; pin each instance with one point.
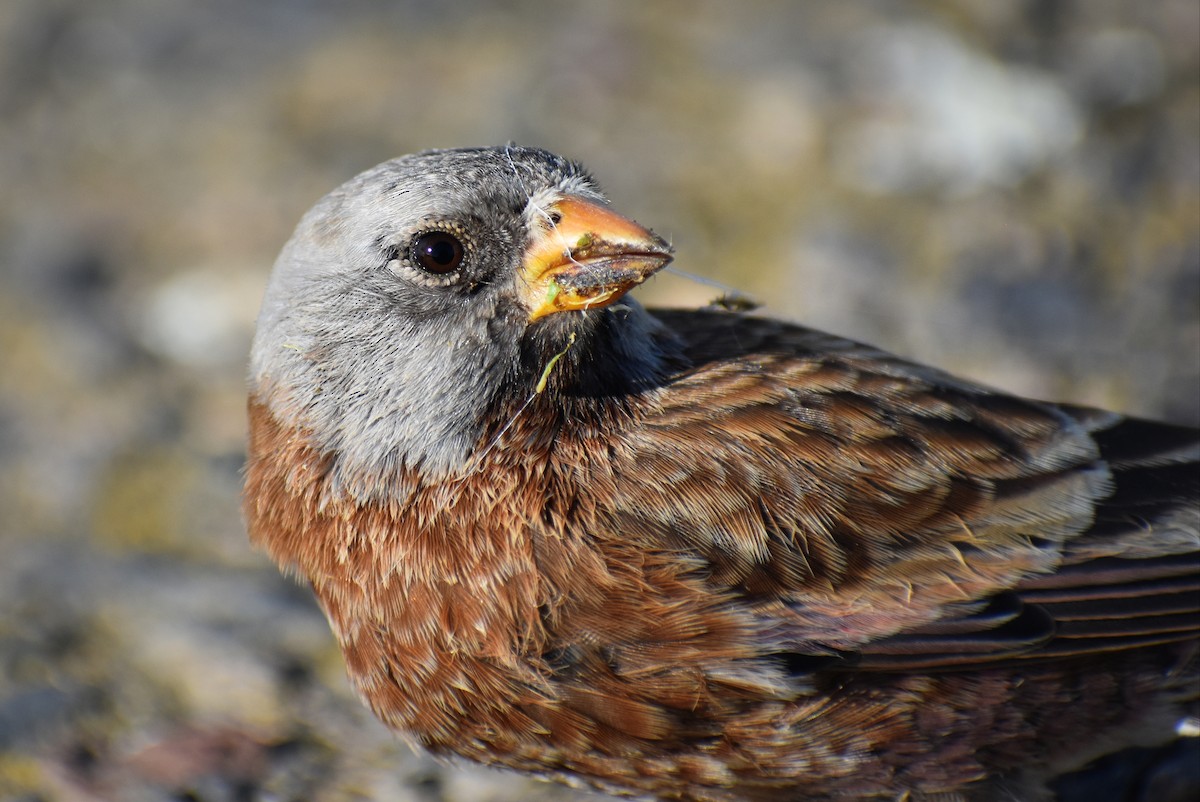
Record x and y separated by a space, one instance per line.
715 557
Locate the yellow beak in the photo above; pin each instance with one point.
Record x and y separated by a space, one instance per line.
587 257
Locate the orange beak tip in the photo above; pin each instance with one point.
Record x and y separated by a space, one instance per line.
611 255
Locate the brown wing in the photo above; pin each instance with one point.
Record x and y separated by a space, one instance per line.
887 511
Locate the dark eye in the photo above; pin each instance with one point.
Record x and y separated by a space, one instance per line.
437 252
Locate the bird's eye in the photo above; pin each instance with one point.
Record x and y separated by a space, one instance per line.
437 252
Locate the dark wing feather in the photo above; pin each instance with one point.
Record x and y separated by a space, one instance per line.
890 512
1101 603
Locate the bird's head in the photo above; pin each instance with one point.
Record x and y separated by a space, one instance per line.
428 291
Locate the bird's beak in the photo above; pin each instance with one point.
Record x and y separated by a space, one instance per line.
587 257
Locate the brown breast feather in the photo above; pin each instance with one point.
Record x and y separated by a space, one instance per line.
722 586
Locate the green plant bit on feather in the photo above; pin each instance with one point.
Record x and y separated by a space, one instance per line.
541 385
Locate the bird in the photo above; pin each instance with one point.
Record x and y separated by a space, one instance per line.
703 554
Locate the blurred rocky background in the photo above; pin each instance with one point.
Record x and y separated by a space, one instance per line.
1010 190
